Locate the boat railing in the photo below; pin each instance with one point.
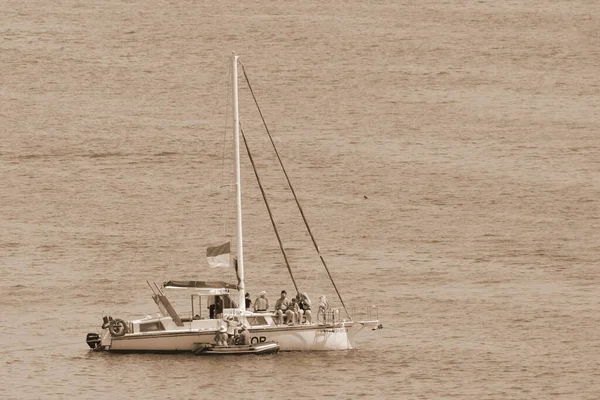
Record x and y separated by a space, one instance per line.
370 313
337 315
332 316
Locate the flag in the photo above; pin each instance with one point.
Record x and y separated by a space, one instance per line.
237 273
218 256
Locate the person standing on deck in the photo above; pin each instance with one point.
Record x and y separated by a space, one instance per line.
323 309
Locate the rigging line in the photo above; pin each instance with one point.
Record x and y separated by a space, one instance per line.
264 195
294 193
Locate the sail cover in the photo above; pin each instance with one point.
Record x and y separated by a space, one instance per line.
200 285
219 256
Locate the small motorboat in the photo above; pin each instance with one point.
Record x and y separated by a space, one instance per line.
238 349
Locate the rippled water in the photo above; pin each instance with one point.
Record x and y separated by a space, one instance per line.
446 153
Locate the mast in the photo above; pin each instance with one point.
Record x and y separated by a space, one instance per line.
238 185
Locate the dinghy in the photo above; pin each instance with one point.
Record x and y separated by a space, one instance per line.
240 349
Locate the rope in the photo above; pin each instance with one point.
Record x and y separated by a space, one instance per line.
294 193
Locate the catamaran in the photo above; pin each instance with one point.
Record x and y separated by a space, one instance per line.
168 331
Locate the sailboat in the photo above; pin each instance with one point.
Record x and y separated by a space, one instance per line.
168 331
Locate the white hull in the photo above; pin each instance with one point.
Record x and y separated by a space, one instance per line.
289 338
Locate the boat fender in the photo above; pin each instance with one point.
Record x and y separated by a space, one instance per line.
117 327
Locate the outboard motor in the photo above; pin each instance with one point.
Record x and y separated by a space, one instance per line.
93 340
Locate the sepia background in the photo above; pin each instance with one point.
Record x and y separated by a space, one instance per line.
446 154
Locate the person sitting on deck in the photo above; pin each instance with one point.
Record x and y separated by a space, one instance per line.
261 304
221 337
293 312
305 304
281 307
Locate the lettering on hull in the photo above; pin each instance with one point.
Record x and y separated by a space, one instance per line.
333 330
258 339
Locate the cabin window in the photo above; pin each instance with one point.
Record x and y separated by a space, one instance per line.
253 321
152 326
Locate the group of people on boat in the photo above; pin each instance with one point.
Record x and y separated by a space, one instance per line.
294 311
291 312
232 335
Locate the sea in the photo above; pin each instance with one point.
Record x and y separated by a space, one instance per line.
446 154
